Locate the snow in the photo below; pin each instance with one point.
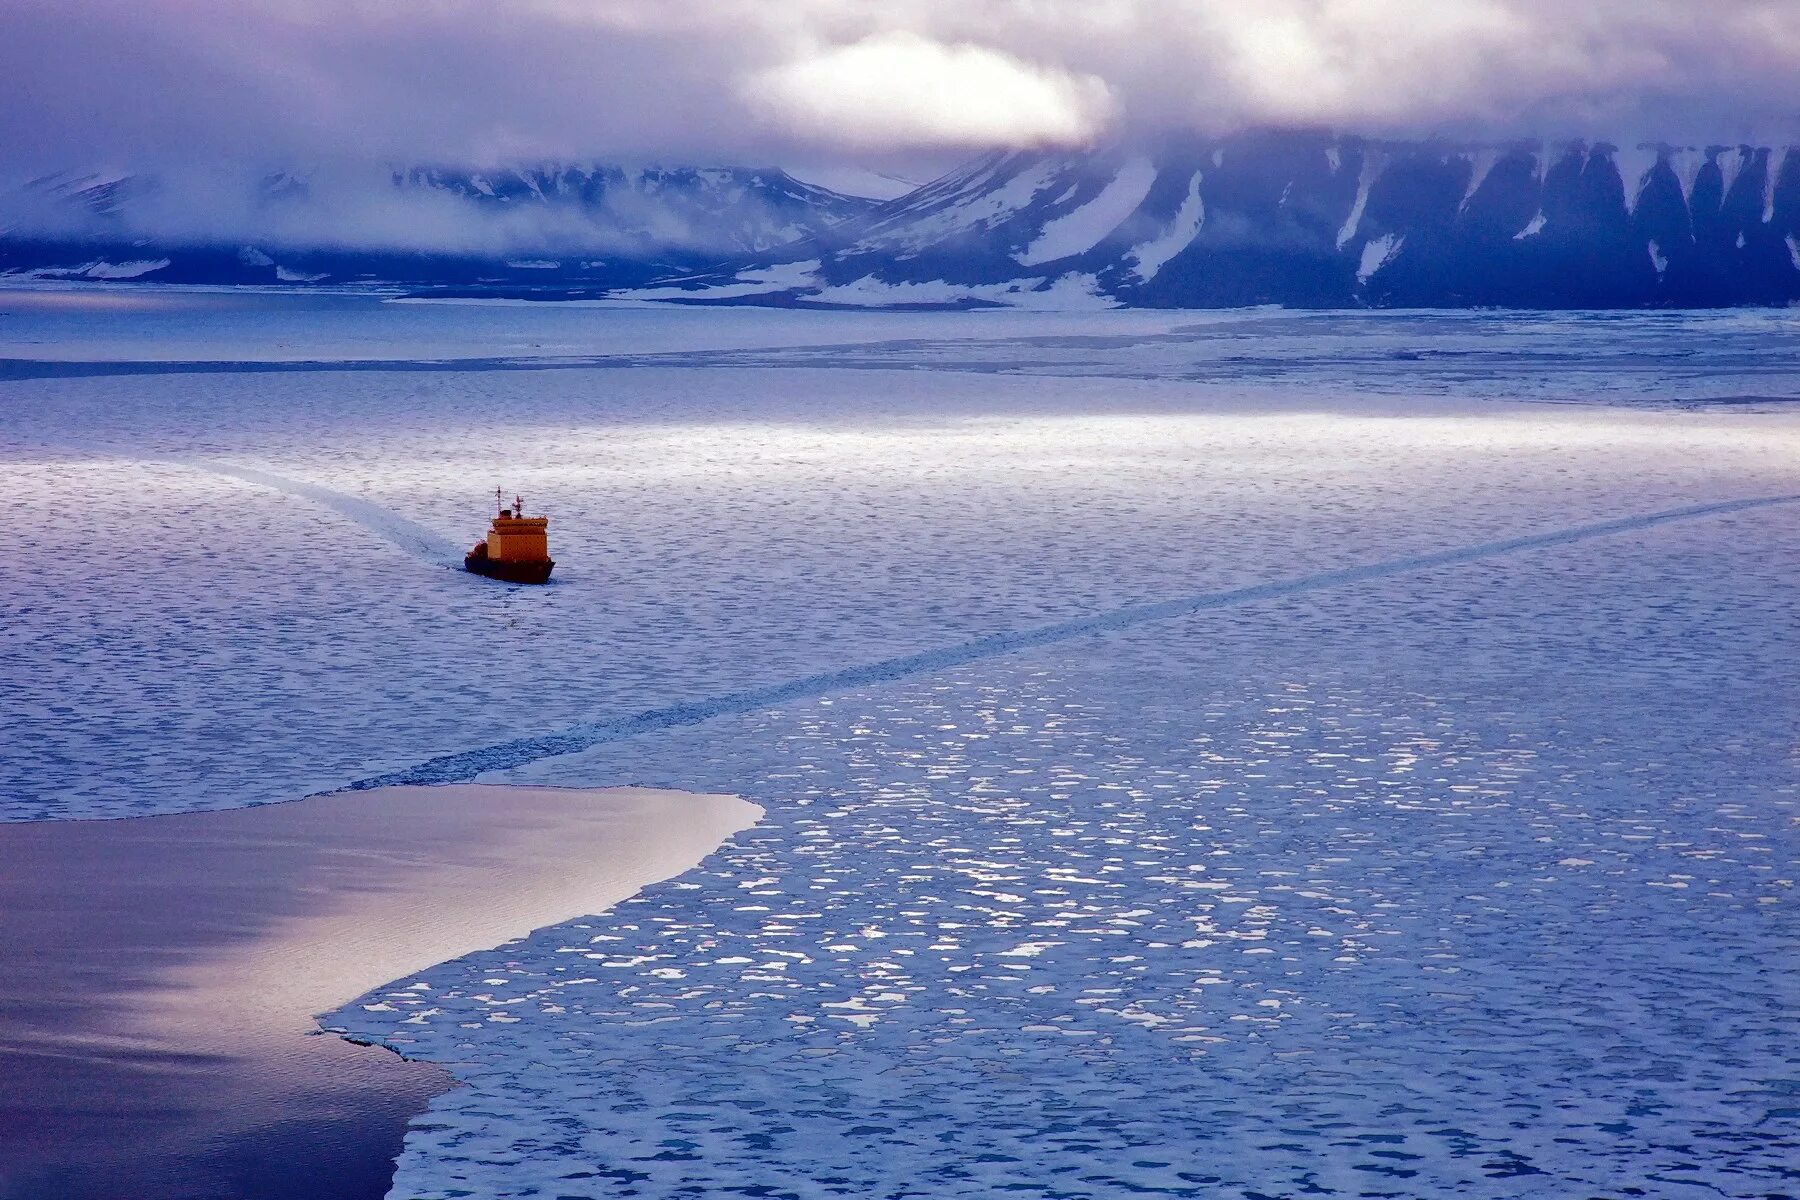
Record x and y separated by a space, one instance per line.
125 270
1480 164
977 203
1150 256
850 180
289 275
1659 259
530 180
1373 164
101 270
1687 163
1731 164
1085 227
1635 164
1777 161
1070 291
752 281
1376 254
1208 828
1793 245
1532 228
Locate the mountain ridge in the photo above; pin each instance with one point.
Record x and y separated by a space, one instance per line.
1317 222
1304 220
598 224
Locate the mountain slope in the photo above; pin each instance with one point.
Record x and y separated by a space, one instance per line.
595 225
1295 219
1313 221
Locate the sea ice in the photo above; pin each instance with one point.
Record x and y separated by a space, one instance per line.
1471 879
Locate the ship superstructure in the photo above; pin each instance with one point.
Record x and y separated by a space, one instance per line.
517 548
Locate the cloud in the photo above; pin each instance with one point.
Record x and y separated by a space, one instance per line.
902 89
136 82
1505 67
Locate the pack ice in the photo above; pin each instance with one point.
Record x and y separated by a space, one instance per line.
1469 877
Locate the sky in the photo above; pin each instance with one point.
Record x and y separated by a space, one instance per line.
138 83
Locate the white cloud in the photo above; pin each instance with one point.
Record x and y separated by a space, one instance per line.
462 80
903 90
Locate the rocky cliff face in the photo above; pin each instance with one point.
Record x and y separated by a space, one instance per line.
1319 222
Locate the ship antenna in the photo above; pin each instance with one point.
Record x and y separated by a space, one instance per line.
518 505
497 500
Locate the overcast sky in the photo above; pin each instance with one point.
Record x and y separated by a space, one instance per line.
150 82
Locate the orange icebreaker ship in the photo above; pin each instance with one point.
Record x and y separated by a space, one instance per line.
517 547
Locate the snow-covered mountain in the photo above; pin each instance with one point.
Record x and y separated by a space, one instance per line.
1314 221
646 211
92 197
594 225
1305 220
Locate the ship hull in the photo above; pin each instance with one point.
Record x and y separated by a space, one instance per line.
510 572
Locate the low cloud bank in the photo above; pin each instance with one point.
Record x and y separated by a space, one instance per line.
153 82
546 210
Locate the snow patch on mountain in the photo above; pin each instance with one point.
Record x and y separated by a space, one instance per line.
1373 163
757 281
975 205
1732 163
102 270
1072 291
1635 165
855 181
1376 254
288 275
1148 258
1479 167
1687 162
1085 227
1777 163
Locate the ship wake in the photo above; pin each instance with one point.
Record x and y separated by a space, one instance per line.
466 765
410 536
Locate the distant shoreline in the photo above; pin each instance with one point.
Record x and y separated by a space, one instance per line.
164 971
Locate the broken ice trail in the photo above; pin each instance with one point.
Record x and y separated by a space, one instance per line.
410 536
466 765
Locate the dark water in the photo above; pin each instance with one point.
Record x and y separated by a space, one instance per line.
159 975
100 1104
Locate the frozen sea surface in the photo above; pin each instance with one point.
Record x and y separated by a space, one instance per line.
1471 879
1425 891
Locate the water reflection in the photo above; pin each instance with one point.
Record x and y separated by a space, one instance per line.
163 972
